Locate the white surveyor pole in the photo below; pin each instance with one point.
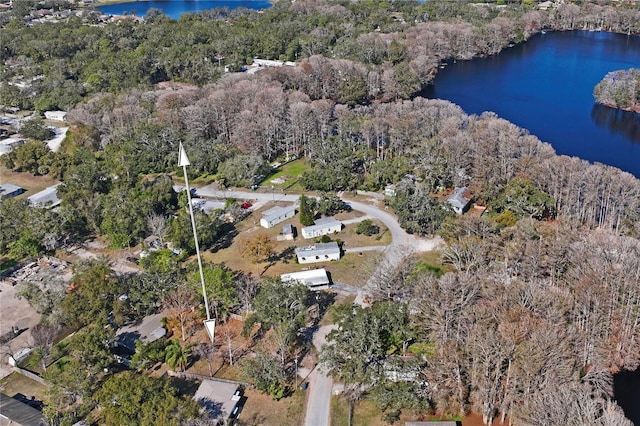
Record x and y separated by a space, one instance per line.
184 162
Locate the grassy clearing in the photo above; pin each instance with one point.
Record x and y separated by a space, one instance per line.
261 409
354 269
30 183
287 175
16 383
349 235
365 413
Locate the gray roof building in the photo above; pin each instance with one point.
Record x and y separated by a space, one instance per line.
48 197
8 190
276 215
459 199
318 252
219 398
208 206
19 413
322 226
314 279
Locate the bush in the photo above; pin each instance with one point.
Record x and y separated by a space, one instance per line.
367 227
325 239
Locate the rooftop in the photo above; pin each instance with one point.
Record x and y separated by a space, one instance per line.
325 222
149 330
460 197
19 412
217 397
46 197
318 249
10 190
312 278
277 211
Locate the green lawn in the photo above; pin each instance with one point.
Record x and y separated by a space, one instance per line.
289 174
17 383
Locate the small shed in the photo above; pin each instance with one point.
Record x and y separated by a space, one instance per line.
323 226
459 200
47 198
275 215
288 233
314 279
322 252
9 190
55 115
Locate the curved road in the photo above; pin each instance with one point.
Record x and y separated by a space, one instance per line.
320 385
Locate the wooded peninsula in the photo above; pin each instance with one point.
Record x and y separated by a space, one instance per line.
620 89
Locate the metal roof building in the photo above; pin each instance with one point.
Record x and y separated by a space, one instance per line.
321 252
314 279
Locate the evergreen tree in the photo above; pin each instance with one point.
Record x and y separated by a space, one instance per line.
306 211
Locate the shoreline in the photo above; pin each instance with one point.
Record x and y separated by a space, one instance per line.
633 108
110 2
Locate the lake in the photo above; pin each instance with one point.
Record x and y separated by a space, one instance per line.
175 8
546 85
626 386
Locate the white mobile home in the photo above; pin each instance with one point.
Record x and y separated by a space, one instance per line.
318 253
55 115
324 226
47 198
314 279
275 215
9 144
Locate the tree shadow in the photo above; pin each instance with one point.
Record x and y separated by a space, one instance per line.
284 256
226 235
185 386
323 300
212 408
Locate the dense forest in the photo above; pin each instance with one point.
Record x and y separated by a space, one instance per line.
536 304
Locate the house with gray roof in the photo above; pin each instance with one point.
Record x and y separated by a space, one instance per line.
9 144
323 226
275 215
9 190
207 206
48 197
459 199
219 398
19 413
321 252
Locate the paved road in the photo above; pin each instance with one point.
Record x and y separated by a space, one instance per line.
320 386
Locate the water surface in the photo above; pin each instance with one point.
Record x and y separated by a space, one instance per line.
175 8
546 86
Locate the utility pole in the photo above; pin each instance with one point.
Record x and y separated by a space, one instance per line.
209 323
